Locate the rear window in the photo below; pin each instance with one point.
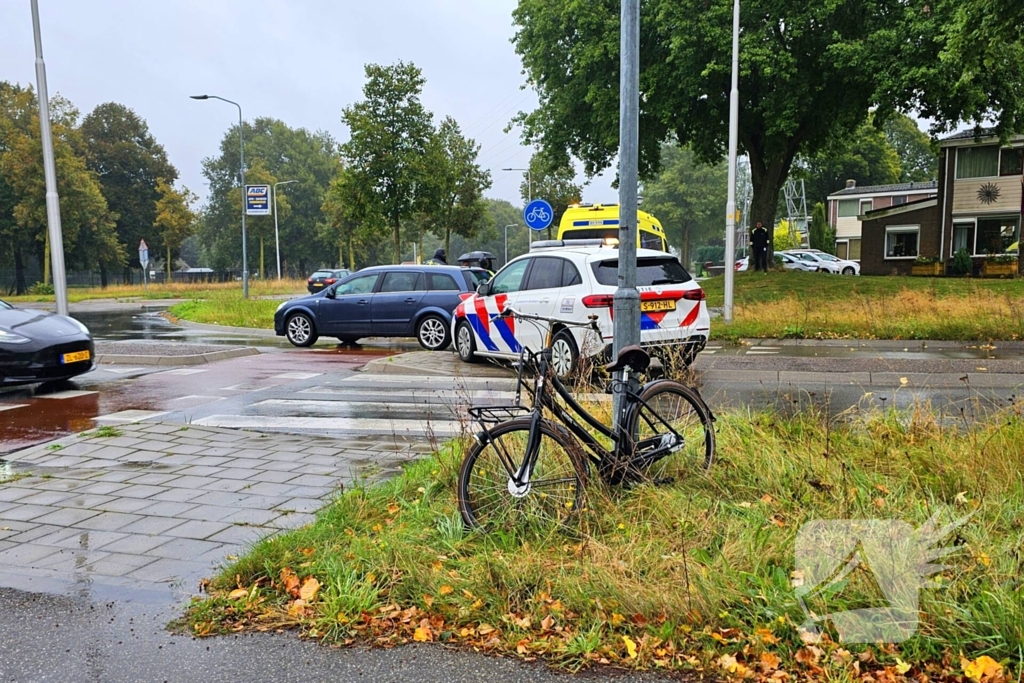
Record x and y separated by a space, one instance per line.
663 270
442 282
322 273
476 276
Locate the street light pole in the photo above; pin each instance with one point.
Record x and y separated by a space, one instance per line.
60 284
277 236
529 181
730 207
514 225
241 174
626 303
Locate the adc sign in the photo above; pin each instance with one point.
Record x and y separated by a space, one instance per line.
257 200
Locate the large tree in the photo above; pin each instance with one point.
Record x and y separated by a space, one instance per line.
175 221
866 157
128 161
389 131
918 160
810 71
451 195
688 197
272 150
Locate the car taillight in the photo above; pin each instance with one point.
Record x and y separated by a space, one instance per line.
330 281
309 281
599 300
464 295
695 295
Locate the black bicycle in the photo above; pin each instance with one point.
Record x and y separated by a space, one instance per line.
524 468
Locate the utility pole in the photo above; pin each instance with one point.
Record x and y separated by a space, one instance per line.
627 298
529 181
60 283
730 206
514 225
277 235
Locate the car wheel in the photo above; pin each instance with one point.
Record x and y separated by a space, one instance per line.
432 333
300 331
848 270
564 355
465 342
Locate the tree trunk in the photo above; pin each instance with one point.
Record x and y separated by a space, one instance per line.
448 243
351 255
168 264
396 227
19 272
768 181
263 272
103 275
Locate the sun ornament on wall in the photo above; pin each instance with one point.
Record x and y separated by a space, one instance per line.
988 193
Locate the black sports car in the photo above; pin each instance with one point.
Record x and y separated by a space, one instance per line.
36 346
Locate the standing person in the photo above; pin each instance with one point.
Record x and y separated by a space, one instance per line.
759 243
440 258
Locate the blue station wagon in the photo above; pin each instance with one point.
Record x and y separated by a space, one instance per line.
382 301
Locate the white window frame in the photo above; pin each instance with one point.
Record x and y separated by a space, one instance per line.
973 222
900 229
860 206
845 242
839 207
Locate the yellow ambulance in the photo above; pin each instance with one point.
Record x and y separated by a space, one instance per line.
589 221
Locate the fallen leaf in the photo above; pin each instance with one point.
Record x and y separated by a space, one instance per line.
547 622
728 662
617 618
238 594
808 654
766 636
310 587
523 623
445 590
982 369
982 668
307 551
882 488
484 629
429 600
797 578
879 503
630 646
769 661
767 498
984 558
903 381
422 634
961 498
902 666
290 582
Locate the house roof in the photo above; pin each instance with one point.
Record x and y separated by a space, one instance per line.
970 133
887 189
928 203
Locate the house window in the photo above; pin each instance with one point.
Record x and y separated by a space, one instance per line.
962 237
843 249
995 235
1011 161
854 250
977 162
901 241
865 206
899 199
848 208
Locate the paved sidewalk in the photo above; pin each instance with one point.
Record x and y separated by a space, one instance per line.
157 504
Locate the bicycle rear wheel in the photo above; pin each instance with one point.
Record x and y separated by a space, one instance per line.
672 432
490 499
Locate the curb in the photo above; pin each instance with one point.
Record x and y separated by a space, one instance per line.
394 365
880 344
194 359
247 331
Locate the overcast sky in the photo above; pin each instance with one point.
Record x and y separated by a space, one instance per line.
300 61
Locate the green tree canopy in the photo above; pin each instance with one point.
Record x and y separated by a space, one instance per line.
553 179
127 160
389 132
175 221
918 161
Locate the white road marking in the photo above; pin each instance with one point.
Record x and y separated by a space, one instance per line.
184 371
119 371
298 375
62 395
130 416
12 406
336 425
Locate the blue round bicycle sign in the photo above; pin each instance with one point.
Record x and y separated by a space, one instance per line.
538 214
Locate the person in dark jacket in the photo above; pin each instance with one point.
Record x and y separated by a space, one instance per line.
440 257
759 244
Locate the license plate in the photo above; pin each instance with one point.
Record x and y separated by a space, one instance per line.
318 284
76 357
658 305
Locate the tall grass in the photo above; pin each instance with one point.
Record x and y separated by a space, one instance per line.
173 290
690 571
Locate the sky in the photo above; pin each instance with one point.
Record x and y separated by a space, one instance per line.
300 61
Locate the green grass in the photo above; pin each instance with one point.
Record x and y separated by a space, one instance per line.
175 290
688 574
812 305
105 432
230 310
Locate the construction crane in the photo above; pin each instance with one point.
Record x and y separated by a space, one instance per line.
796 212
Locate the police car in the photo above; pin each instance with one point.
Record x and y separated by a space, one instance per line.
572 280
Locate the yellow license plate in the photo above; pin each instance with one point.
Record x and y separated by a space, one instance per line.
75 357
658 305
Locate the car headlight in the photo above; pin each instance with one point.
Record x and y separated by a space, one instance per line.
80 326
7 337
281 306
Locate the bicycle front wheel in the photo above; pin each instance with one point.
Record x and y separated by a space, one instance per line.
489 496
672 431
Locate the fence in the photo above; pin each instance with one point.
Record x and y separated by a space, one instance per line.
91 278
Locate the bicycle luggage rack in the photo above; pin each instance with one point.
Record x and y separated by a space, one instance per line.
495 414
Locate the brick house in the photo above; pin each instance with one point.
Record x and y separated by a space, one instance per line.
846 206
979 208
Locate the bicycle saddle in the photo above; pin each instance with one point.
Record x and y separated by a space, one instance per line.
636 358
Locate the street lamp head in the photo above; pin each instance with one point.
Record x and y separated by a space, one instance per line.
200 97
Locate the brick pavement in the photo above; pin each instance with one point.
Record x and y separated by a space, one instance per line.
164 504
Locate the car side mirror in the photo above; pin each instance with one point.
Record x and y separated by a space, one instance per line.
329 293
484 288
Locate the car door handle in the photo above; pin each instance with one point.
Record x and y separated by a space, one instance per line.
363 302
410 300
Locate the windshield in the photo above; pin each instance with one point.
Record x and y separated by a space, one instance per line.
475 276
663 270
4 306
827 257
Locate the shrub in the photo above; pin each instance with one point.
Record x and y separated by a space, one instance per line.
962 262
709 253
41 289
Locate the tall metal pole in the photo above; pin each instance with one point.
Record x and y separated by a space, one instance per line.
277 235
60 283
627 298
730 206
514 225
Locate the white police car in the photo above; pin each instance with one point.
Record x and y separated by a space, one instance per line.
572 280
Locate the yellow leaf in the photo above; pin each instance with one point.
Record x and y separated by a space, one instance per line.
728 662
630 646
445 590
770 661
981 668
310 588
902 666
547 622
393 509
767 498
484 629
617 618
377 528
371 578
238 594
477 605
766 636
903 381
523 623
422 635
984 558
429 600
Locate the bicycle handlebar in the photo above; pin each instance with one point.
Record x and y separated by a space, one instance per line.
513 313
